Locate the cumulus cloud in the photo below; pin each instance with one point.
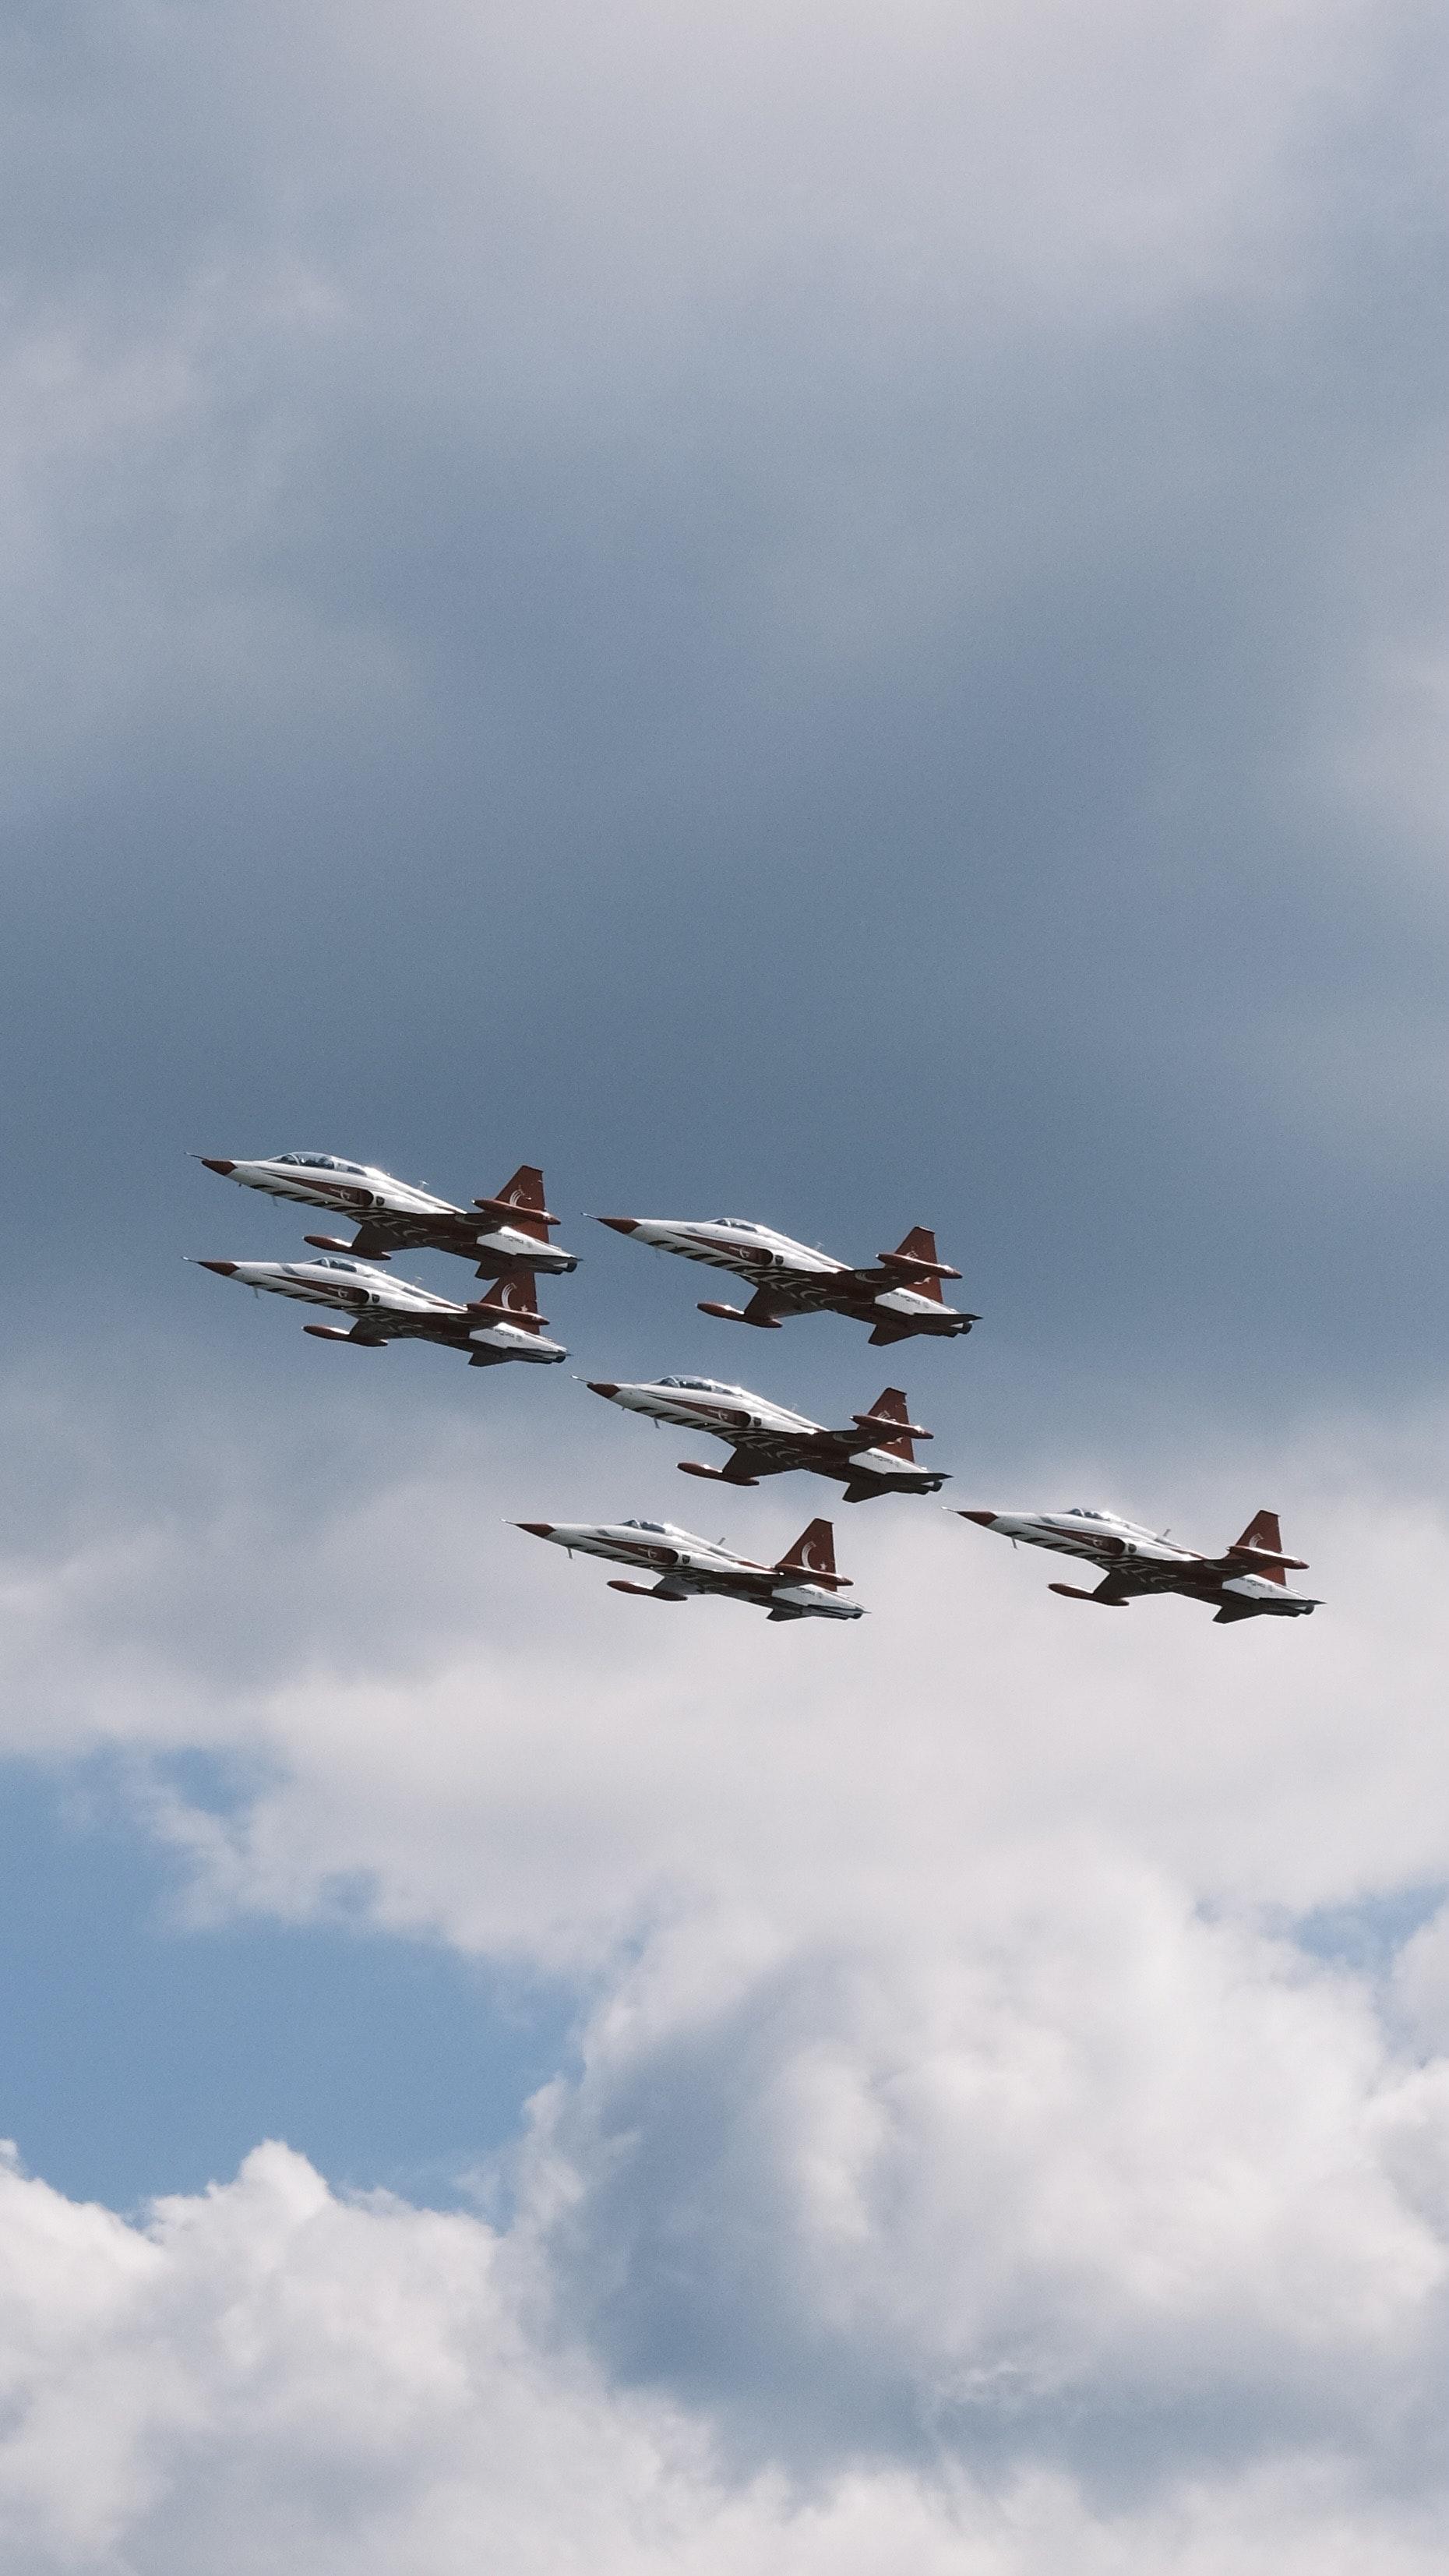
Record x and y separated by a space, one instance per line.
960 2140
266 2374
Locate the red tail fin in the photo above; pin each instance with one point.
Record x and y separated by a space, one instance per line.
521 1203
514 1300
813 1552
915 1264
892 1407
1262 1531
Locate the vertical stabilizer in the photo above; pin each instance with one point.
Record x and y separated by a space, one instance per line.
920 1245
513 1300
891 1406
1262 1532
813 1552
521 1201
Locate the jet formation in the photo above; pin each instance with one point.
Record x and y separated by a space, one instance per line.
508 1240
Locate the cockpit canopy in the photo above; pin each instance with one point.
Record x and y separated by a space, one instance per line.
700 1385
321 1163
657 1529
736 1224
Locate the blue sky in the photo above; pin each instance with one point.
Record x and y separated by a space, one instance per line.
817 612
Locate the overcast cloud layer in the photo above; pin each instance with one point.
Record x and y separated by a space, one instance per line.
835 612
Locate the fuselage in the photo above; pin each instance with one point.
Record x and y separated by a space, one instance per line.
768 1259
683 1563
362 1192
383 1305
1146 1560
732 1413
1103 1537
731 1243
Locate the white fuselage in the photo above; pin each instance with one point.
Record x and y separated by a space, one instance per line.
381 1303
704 1404
360 1191
1112 1545
346 1189
1101 1537
761 1255
738 1244
683 1564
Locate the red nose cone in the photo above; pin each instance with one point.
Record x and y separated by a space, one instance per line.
620 1224
213 1165
602 1386
983 1519
223 1269
536 1529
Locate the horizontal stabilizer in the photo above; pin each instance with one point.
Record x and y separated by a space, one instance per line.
1261 1560
1264 1540
921 1265
888 1425
520 1203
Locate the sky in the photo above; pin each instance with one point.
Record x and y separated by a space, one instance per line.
821 612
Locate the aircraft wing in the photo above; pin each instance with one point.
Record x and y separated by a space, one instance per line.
397 1325
1134 1581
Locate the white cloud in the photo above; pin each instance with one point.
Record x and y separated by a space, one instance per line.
266 2375
955 2138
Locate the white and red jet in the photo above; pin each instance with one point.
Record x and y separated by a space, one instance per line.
504 1325
804 1585
1247 1582
509 1232
899 1294
875 1456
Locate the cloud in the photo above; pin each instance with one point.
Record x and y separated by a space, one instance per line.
267 2374
956 2118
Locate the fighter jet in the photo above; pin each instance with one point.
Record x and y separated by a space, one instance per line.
804 1585
899 1295
1245 1583
510 1232
876 1456
504 1325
